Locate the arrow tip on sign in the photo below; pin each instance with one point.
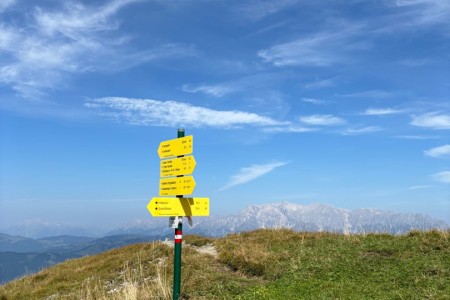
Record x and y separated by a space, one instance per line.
191 223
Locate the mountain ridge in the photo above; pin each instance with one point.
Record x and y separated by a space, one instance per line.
313 217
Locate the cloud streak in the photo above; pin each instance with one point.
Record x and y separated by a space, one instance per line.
432 120
438 152
150 112
325 48
251 173
314 101
425 12
74 39
318 84
381 111
254 82
5 4
289 129
322 120
257 10
443 176
361 130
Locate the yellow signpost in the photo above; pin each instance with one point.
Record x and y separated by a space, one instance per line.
176 147
177 207
177 166
176 186
186 207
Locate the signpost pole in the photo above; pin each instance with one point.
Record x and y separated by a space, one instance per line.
178 240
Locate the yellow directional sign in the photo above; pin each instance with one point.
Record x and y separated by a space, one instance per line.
177 166
175 147
176 186
173 207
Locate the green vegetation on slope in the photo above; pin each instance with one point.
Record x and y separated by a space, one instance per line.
262 264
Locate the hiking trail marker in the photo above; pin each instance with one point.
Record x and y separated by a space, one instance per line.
176 186
168 207
176 147
173 182
177 166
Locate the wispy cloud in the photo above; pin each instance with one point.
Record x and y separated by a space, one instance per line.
314 101
251 173
172 113
5 4
322 49
322 120
217 90
257 10
74 39
424 12
418 187
438 152
288 129
367 94
317 84
381 111
268 28
432 120
443 176
233 86
361 130
417 137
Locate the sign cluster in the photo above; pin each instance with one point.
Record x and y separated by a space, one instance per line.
176 180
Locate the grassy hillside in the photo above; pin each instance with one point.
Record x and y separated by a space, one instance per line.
263 264
14 264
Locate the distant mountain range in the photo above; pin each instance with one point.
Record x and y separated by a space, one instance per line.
36 228
314 217
22 255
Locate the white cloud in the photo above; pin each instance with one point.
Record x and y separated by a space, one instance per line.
243 84
367 94
77 19
381 111
432 120
442 151
425 12
361 130
74 39
417 137
251 173
5 4
322 120
217 90
172 113
317 84
443 176
339 43
256 10
418 187
288 129
323 49
314 101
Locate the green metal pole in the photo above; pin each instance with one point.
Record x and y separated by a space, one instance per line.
178 242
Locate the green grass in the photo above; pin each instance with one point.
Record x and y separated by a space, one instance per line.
262 264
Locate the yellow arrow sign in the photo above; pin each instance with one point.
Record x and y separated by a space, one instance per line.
175 147
173 207
176 186
177 166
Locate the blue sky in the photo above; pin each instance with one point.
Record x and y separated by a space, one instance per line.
345 103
